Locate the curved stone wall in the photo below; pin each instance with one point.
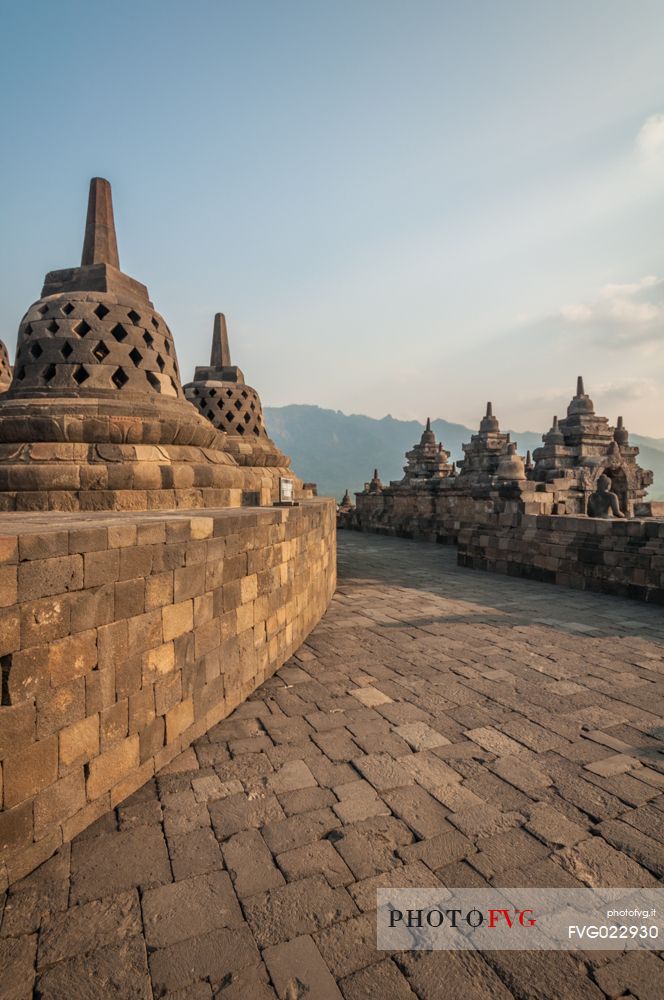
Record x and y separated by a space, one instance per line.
623 557
123 637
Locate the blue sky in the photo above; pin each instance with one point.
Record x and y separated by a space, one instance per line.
403 207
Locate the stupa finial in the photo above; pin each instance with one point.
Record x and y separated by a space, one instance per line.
100 244
428 427
580 391
489 409
221 352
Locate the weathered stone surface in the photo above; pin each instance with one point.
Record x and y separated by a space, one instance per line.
642 973
119 972
439 851
238 812
299 908
538 832
250 864
194 853
88 927
114 862
483 821
287 834
415 875
348 945
381 771
369 847
17 959
314 859
297 968
553 828
189 908
596 863
419 810
215 956
377 982
419 736
544 975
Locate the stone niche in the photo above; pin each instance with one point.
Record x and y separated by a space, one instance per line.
578 450
142 598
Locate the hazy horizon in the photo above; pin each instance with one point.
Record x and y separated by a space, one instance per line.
401 208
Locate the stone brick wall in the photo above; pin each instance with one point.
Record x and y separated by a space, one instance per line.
429 513
613 556
124 637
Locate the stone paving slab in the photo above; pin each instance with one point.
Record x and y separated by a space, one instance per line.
440 726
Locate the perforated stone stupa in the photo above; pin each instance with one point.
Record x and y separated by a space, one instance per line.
220 393
582 447
96 416
5 369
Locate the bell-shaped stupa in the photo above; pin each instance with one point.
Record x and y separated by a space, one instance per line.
219 392
96 416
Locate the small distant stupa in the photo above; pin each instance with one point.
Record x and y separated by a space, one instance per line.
220 393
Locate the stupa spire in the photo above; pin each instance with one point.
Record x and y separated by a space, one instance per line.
489 409
100 244
428 427
221 352
580 391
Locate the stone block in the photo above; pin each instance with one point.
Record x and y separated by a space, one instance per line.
29 771
46 619
296 909
178 719
158 591
216 956
72 657
16 828
109 767
177 619
78 743
17 727
297 967
46 577
63 798
250 864
113 863
114 723
189 908
8 586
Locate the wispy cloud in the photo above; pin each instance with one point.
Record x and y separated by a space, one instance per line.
622 314
650 138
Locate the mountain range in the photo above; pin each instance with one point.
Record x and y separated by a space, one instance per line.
339 451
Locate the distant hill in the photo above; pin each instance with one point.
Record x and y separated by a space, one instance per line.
339 450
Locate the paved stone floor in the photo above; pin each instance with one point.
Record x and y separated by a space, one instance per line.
439 726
